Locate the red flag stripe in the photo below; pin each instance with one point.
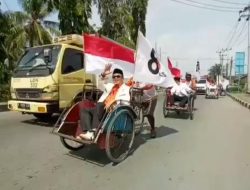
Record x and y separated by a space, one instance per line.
170 66
106 48
176 72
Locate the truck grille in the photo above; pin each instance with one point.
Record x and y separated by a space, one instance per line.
28 93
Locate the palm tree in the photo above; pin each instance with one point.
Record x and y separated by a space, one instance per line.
35 11
215 71
14 39
26 29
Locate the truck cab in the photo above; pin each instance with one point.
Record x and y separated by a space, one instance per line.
48 78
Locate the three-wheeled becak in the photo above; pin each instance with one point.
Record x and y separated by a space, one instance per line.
116 131
212 91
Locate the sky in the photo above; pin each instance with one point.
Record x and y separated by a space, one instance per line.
188 34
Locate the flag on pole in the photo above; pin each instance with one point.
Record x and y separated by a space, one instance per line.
99 51
174 71
147 67
170 66
198 66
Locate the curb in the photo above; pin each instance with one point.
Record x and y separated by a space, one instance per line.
242 102
3 106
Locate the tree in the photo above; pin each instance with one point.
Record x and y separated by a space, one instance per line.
139 12
2 34
215 71
34 14
73 15
25 28
121 19
116 19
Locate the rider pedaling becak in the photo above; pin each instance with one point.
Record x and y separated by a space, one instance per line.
190 82
149 98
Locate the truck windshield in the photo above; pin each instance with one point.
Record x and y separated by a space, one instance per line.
33 62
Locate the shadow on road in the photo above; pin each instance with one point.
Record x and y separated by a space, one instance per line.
91 154
42 123
94 155
161 131
180 115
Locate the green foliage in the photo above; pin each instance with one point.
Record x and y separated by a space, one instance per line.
215 70
139 12
3 33
73 15
4 92
116 19
122 19
236 89
31 19
20 29
4 73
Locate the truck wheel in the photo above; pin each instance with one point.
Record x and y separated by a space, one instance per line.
43 116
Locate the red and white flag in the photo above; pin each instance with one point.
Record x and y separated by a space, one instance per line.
170 66
147 67
174 71
99 51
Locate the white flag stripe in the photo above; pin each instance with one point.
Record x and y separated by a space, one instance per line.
96 65
162 77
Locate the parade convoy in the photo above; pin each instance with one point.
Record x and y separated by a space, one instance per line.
49 77
52 79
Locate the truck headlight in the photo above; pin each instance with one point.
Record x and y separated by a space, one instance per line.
49 95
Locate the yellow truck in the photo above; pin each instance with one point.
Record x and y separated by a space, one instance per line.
49 77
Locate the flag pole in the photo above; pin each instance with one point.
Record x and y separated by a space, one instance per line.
136 46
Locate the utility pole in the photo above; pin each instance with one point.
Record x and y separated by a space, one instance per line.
227 70
221 56
230 71
246 14
221 61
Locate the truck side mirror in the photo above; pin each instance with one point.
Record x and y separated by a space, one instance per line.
47 54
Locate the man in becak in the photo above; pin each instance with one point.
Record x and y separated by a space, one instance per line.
112 92
180 91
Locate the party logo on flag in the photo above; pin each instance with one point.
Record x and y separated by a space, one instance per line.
148 69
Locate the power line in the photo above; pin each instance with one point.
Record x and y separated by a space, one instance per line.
242 40
239 35
232 39
212 5
202 7
228 2
231 33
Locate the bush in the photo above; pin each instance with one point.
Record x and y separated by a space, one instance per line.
4 92
235 89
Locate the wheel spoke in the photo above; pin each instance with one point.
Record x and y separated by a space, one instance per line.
122 130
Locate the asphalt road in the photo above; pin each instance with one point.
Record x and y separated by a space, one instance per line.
210 152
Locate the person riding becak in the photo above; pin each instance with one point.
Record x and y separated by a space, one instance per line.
180 91
112 92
